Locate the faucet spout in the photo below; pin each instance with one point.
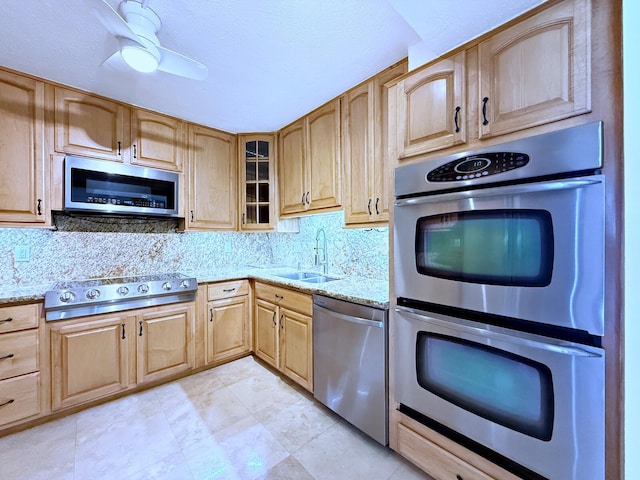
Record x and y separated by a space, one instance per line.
321 244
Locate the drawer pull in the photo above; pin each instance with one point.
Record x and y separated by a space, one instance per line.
7 356
6 320
227 290
279 297
7 402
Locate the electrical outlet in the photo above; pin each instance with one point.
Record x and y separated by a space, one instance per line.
21 253
227 247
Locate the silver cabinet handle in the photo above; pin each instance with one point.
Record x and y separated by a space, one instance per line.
349 318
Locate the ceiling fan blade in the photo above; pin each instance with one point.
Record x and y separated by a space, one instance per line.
177 64
113 22
116 63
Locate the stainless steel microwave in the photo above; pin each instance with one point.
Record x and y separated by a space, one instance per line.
102 187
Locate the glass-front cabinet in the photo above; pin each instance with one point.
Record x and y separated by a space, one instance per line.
257 172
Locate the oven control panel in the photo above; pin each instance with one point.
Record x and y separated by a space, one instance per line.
475 166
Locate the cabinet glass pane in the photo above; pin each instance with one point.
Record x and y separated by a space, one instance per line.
251 171
264 213
263 149
250 149
251 192
263 171
252 214
263 191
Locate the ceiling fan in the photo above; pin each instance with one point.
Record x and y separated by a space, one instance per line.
135 28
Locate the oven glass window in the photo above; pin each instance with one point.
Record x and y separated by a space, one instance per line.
504 388
497 247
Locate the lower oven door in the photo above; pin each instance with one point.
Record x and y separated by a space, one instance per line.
536 401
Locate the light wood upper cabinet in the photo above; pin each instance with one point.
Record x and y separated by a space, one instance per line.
90 126
165 341
157 140
90 358
212 180
292 168
309 162
23 188
257 161
323 157
431 108
537 71
366 178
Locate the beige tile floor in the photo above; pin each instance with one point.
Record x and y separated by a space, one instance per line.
236 421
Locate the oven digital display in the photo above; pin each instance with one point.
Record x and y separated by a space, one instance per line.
510 247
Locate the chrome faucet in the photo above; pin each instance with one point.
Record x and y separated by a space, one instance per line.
324 260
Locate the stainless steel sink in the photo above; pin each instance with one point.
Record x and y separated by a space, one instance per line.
308 277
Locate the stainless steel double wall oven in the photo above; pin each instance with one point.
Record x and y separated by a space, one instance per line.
499 278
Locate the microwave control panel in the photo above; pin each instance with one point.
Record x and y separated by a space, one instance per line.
475 166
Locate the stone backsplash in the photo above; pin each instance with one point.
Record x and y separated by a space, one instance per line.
94 248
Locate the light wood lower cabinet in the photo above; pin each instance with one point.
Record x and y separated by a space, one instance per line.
283 332
20 389
165 342
90 358
97 356
228 322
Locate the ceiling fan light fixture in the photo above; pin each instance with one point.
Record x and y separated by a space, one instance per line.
139 58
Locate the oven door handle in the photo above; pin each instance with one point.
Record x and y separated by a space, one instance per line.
552 345
502 190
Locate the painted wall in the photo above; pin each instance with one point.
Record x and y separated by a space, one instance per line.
631 62
97 248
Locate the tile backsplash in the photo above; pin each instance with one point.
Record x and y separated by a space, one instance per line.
99 250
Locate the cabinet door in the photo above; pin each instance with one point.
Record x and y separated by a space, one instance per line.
296 347
266 331
323 157
537 71
228 329
157 141
89 359
382 192
22 184
212 179
431 108
257 159
358 152
88 125
291 169
165 342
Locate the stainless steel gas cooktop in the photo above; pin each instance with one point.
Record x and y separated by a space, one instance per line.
72 299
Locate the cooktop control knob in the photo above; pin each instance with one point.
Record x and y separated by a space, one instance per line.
143 288
184 283
166 286
67 296
93 293
123 290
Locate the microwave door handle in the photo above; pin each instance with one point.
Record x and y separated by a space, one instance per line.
502 190
549 345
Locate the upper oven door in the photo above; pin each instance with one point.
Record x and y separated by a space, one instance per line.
529 251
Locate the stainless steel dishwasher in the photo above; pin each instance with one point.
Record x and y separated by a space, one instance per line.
350 370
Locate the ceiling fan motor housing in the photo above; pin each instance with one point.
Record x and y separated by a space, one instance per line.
142 20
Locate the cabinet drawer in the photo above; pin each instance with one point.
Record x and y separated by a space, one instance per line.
433 459
18 353
300 302
19 317
19 398
216 291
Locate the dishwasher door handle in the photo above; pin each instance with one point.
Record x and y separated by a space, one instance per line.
349 318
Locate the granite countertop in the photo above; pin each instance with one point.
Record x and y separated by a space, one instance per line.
361 290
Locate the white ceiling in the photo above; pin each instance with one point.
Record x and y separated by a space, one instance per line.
270 61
